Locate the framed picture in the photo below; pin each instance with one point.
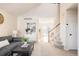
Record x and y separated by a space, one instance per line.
31 28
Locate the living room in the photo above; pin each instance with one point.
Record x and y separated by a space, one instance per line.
23 22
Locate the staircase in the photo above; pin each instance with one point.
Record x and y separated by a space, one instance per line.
54 37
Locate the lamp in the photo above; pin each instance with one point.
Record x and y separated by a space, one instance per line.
15 32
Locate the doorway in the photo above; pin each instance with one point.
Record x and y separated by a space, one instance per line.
45 24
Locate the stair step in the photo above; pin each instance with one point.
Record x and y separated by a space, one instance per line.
59 42
59 46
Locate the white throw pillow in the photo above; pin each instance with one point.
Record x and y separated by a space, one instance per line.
4 43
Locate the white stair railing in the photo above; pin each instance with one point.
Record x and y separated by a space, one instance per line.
54 36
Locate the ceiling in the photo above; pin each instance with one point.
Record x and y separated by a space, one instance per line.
18 8
73 7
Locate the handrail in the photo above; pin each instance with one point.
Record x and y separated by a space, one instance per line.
51 31
54 27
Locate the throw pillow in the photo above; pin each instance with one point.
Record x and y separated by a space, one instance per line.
4 43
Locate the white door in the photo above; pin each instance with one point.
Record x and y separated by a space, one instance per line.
45 33
71 30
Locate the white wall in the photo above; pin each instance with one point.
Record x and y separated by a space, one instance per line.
48 21
9 24
78 30
45 10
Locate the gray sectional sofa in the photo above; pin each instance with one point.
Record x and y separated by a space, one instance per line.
14 42
5 51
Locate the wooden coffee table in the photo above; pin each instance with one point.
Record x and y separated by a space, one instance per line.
23 51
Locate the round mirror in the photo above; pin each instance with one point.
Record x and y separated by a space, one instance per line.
1 19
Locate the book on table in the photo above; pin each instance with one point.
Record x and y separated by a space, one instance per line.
24 45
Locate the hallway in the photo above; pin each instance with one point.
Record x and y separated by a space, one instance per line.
45 49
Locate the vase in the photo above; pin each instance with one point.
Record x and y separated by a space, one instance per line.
25 42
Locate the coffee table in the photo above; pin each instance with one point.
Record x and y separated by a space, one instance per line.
23 51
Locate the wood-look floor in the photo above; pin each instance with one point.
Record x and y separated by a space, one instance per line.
45 49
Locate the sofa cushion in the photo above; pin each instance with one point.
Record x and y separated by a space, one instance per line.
4 43
9 38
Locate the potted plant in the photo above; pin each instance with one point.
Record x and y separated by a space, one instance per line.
25 39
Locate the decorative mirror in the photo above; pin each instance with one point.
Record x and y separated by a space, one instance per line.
1 18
